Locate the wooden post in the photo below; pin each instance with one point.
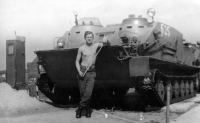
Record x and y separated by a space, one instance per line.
168 102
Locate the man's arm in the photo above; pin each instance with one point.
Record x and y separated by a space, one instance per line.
106 42
78 57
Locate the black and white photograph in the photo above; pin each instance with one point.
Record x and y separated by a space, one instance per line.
99 61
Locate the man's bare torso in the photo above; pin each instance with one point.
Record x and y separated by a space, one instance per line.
88 54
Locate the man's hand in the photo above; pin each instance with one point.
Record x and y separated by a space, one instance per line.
80 73
105 39
106 42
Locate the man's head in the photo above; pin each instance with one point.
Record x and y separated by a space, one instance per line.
89 36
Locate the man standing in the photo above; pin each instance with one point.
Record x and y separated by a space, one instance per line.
86 70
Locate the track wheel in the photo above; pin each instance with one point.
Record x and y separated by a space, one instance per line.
191 87
160 90
182 88
187 88
176 89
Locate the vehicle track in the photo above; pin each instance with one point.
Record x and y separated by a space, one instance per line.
182 88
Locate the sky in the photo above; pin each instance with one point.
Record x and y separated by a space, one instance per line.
40 21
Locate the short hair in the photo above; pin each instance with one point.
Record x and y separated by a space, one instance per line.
87 33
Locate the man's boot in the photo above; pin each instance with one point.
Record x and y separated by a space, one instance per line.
88 113
78 112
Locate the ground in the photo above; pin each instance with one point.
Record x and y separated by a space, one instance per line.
19 107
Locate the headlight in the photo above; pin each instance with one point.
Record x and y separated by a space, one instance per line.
58 43
151 12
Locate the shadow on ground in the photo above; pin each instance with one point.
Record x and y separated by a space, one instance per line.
131 102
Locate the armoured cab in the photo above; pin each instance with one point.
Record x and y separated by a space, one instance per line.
155 39
133 30
75 37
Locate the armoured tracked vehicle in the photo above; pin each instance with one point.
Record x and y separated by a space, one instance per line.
145 55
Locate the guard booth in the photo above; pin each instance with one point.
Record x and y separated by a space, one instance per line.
15 61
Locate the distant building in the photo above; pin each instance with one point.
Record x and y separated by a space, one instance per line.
3 75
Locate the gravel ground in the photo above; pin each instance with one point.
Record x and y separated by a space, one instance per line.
18 107
148 117
58 115
61 116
